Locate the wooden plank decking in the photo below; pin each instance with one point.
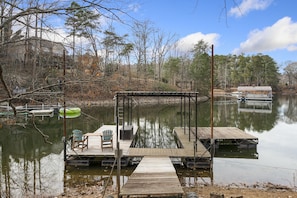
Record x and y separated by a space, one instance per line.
94 143
155 176
186 150
223 133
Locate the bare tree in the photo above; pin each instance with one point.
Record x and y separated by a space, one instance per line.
142 32
127 49
13 15
291 74
162 45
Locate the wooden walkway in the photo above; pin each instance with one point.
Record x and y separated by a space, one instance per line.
154 176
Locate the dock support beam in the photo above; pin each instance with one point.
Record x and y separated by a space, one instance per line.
118 146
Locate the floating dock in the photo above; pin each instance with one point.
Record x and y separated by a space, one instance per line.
226 136
93 151
223 133
191 151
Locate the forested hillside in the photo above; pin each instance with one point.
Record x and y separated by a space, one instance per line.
92 62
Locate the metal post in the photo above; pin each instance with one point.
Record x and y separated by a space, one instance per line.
195 149
123 105
211 106
131 109
64 104
212 143
184 113
196 120
129 113
118 147
181 111
189 117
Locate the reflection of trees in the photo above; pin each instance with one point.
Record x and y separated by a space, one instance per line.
284 108
155 128
257 121
22 153
226 115
289 109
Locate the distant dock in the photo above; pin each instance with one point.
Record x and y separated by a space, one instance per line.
36 110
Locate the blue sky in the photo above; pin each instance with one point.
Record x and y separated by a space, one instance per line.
233 26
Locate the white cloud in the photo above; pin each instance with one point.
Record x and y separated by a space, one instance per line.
248 5
134 7
187 43
281 35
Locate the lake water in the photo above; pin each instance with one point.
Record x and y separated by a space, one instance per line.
31 166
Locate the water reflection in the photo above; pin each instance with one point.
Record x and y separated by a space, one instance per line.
287 109
98 176
253 106
30 166
27 162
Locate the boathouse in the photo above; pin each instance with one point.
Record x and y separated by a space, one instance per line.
260 93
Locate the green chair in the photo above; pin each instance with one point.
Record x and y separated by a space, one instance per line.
106 139
78 140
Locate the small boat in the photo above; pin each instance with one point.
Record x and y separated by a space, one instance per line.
42 112
71 112
236 94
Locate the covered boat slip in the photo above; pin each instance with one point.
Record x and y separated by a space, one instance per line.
262 93
154 177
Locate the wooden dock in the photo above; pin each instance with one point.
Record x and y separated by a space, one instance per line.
94 144
223 133
154 176
184 151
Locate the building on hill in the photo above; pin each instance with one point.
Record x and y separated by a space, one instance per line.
35 51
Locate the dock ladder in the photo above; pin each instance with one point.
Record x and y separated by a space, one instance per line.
120 108
119 112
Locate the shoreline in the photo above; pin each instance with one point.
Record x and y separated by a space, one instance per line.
202 190
139 100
